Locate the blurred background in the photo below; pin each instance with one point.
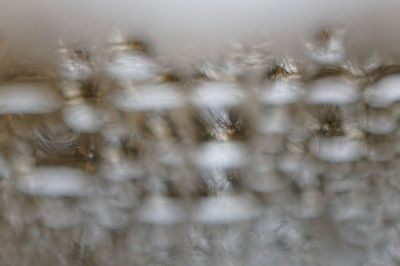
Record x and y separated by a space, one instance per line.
199 133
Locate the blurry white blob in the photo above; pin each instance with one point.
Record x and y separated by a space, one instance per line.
225 209
56 214
82 117
281 92
132 66
331 91
217 95
54 182
27 99
385 92
275 121
378 124
154 97
5 171
338 149
221 155
161 210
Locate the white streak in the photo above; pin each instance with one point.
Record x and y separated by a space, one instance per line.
331 91
54 182
225 209
217 95
221 155
154 97
27 99
337 149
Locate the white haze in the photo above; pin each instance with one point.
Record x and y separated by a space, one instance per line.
189 29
